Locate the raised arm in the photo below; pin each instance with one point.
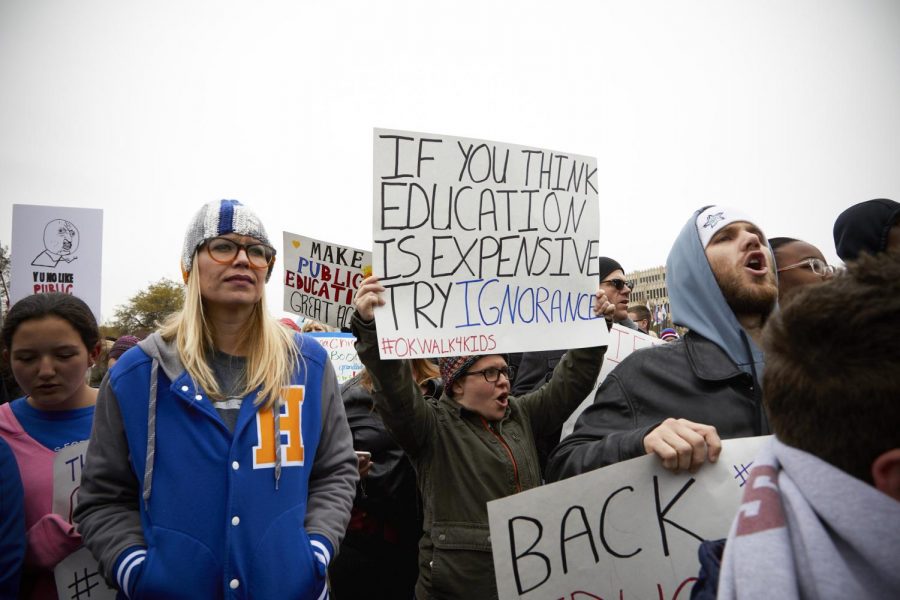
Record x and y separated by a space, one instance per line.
573 379
397 396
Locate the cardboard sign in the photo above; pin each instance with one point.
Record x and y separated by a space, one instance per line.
483 247
57 249
630 530
341 351
622 342
78 578
320 279
67 465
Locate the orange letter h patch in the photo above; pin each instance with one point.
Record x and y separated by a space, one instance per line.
290 425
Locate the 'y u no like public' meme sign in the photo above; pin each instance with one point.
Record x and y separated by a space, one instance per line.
483 247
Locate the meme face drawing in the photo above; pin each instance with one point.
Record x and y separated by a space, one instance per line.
61 240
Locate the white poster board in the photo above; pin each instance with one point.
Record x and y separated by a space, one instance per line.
622 342
67 465
57 249
320 278
77 576
484 247
627 531
341 351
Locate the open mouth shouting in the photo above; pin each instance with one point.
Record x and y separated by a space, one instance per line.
756 263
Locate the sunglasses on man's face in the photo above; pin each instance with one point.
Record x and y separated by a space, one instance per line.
619 283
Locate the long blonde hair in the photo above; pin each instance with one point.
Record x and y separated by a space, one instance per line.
270 348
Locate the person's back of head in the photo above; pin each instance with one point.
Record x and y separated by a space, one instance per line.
838 400
872 226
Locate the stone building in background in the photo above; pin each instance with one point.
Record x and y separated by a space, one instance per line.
650 290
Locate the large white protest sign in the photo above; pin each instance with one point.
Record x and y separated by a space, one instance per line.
630 530
622 342
341 351
483 247
78 578
320 278
57 249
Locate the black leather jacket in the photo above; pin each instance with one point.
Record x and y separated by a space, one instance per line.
689 379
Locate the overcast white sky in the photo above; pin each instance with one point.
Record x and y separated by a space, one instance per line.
787 109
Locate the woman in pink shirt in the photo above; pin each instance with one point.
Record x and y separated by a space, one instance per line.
50 341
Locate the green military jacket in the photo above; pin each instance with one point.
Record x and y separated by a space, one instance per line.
463 461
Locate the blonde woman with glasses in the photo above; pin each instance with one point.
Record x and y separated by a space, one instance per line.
221 460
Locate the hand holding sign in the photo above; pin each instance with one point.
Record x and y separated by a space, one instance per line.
602 306
368 296
683 445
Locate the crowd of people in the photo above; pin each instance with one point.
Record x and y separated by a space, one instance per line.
225 460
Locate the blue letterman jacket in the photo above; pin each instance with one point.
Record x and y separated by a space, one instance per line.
219 513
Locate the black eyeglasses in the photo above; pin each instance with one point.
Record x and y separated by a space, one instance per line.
619 283
492 374
223 251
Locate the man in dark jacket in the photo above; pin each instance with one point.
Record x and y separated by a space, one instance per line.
677 400
534 369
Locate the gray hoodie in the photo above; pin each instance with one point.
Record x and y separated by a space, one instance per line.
710 376
698 304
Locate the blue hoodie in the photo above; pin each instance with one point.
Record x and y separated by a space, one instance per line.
698 303
12 523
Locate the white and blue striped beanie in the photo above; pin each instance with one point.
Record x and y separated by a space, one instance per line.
219 218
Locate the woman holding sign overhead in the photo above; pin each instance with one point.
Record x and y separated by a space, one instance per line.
50 341
472 445
221 461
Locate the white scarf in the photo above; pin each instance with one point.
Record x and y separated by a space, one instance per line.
806 529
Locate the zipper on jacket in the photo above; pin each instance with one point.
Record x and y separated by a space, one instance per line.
506 447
